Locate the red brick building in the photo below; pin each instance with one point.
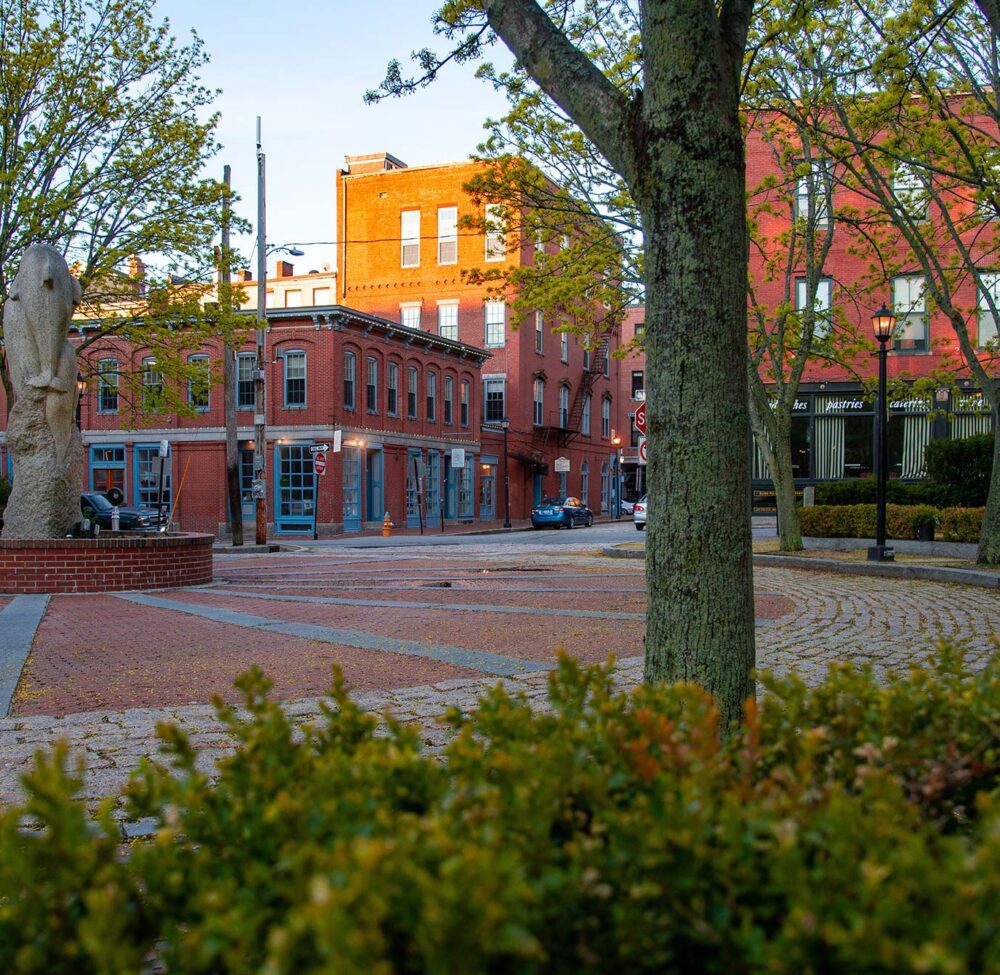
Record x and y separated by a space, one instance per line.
400 402
403 253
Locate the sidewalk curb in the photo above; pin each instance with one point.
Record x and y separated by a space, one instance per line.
965 577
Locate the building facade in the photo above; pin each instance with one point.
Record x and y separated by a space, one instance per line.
405 250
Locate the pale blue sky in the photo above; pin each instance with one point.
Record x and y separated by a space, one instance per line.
304 67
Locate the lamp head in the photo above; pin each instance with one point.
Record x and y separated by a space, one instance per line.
883 324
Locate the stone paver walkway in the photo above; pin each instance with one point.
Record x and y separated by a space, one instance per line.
414 633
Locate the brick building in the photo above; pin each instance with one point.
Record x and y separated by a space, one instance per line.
834 415
402 401
403 249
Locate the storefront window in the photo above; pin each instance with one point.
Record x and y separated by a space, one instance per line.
844 429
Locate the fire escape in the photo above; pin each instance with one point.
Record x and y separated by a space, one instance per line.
563 431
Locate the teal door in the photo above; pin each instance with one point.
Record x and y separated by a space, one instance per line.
352 489
450 488
374 498
413 492
487 491
536 493
295 490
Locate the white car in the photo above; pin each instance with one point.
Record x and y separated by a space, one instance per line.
639 514
627 507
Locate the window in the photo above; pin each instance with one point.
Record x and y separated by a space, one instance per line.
107 386
295 379
392 389
605 360
586 358
199 382
911 320
563 489
430 387
447 235
564 346
496 243
293 298
409 232
371 386
411 392
640 331
814 187
823 323
605 417
539 330
350 378
448 320
409 314
563 405
585 482
638 383
152 386
494 399
496 321
321 296
465 403
585 416
147 476
246 363
449 399
538 414
909 191
989 289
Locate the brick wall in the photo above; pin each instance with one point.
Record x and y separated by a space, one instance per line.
104 564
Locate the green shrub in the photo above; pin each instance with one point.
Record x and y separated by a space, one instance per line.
862 491
5 489
901 521
961 469
853 827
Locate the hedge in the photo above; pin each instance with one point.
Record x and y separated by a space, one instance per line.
853 827
902 521
960 470
862 491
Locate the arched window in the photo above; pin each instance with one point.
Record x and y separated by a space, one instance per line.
564 405
606 417
539 403
350 378
585 483
585 416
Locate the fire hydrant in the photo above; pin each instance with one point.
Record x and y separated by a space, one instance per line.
386 526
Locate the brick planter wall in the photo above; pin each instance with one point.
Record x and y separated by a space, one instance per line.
105 564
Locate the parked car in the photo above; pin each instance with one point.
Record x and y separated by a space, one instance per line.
556 512
627 507
639 514
97 507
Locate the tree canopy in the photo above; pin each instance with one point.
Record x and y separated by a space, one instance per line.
105 129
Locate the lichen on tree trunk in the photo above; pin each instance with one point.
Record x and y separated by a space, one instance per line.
989 538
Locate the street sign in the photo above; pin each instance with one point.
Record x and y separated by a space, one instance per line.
561 465
643 451
258 489
640 418
337 437
319 463
457 457
319 448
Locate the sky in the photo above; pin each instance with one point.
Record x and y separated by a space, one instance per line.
304 68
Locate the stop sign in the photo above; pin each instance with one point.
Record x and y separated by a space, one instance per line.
640 418
319 463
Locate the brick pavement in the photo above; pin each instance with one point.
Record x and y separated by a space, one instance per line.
103 652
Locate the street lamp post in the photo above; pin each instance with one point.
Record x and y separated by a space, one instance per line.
259 390
617 476
883 324
81 388
506 476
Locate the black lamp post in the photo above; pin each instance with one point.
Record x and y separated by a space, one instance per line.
506 476
884 324
81 388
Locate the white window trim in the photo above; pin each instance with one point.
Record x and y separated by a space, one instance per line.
408 239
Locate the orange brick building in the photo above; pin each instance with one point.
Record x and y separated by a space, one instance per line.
402 251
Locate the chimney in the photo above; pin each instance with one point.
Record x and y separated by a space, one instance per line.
373 162
285 269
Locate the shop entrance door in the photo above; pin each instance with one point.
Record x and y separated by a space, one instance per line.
295 489
374 499
352 489
487 492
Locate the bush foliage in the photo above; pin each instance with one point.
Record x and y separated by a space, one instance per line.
862 491
853 827
901 521
960 469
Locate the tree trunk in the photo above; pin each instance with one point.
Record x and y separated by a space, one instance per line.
989 536
789 529
229 379
700 616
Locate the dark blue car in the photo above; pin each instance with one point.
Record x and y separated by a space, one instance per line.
559 512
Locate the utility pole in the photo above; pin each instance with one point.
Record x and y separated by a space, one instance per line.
229 373
259 401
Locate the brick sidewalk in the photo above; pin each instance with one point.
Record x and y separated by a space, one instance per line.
413 633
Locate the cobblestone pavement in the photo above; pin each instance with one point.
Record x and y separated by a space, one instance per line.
413 633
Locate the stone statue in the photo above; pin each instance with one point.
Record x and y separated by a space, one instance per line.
42 435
